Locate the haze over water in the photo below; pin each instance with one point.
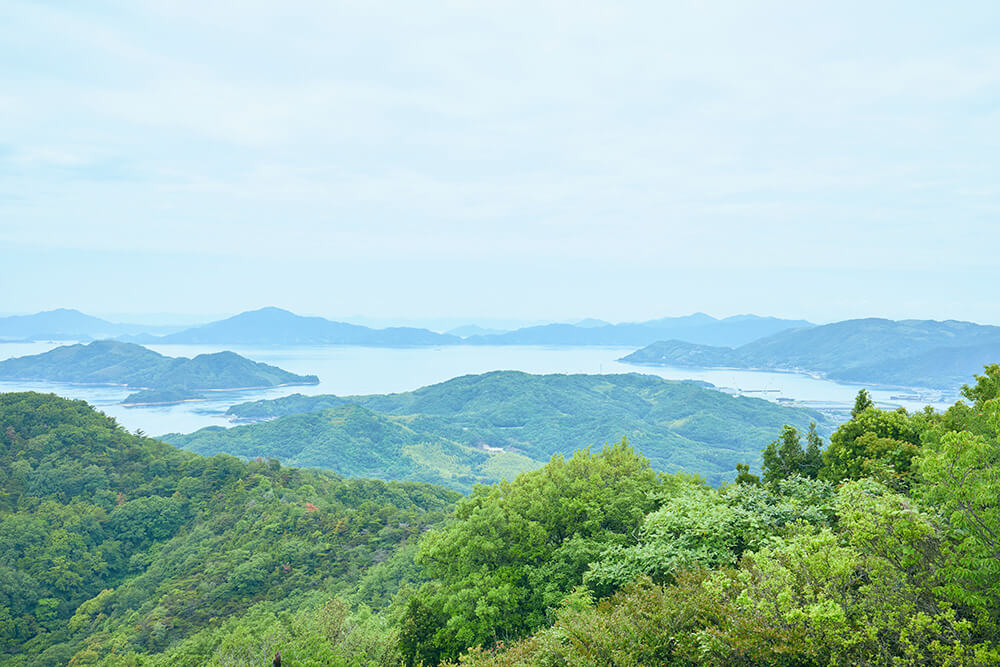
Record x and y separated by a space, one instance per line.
350 370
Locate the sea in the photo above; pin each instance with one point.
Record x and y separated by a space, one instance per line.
354 370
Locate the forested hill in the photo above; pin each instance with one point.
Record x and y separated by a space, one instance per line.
113 543
501 422
274 326
877 548
113 362
697 328
911 353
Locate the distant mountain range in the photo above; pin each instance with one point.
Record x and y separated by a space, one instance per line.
479 428
68 324
275 326
165 379
697 328
906 353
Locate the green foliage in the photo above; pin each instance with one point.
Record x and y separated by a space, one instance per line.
743 475
678 425
961 481
987 386
700 527
862 402
114 544
873 443
785 457
349 440
120 550
516 548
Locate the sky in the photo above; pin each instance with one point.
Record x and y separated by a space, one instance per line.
494 160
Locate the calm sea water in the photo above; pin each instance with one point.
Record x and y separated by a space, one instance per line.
346 370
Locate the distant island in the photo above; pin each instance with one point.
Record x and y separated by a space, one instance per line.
906 353
275 326
164 379
697 328
481 428
69 324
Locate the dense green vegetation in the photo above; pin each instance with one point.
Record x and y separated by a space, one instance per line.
678 425
352 441
113 362
910 353
883 550
889 557
111 543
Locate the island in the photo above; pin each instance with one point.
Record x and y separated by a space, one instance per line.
483 428
872 351
163 379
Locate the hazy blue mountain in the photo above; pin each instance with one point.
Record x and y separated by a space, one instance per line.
918 353
697 328
473 330
590 323
274 326
115 362
941 368
504 413
65 324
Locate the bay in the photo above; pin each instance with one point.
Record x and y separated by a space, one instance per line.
346 370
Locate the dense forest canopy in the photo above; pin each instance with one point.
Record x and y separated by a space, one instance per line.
876 547
480 428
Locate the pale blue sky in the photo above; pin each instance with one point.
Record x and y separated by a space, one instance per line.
530 160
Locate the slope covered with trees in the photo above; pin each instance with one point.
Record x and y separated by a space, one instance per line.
883 550
113 544
520 420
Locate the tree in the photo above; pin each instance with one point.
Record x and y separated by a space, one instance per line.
813 459
743 475
874 443
862 402
515 549
987 386
783 457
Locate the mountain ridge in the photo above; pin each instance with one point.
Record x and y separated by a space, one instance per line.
939 354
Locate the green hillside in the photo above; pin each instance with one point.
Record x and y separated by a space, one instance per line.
508 414
113 362
349 440
878 548
111 542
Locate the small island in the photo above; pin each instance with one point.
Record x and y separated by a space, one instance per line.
162 379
